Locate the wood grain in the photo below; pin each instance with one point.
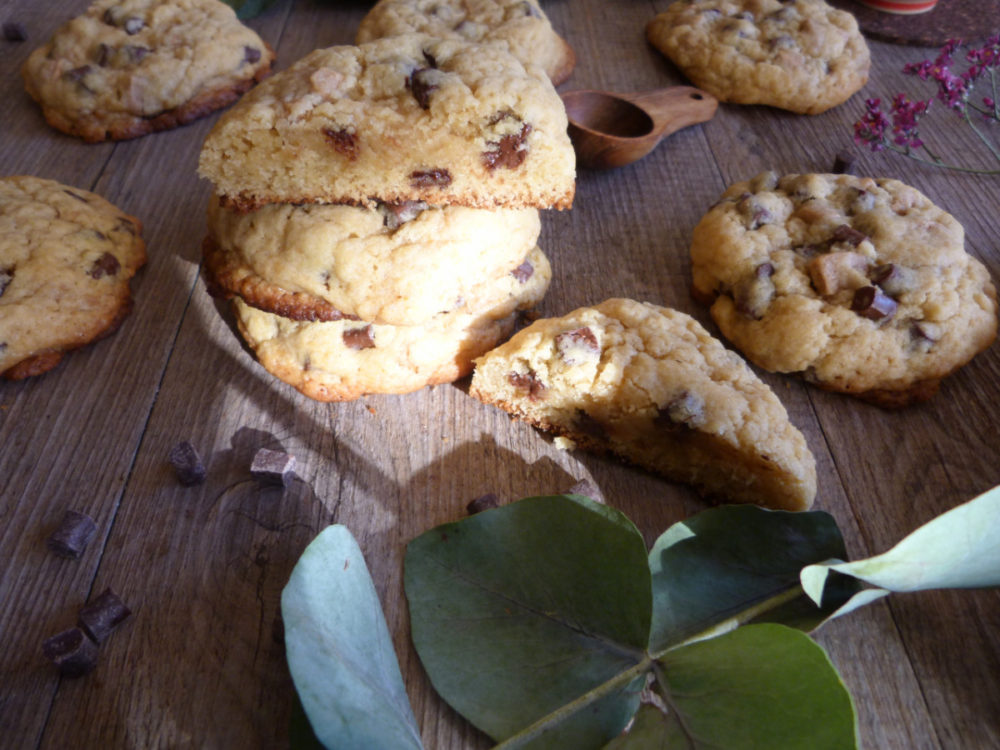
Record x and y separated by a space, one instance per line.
201 664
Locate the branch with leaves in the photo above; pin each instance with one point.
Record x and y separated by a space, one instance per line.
547 624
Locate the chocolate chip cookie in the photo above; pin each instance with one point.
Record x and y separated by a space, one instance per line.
399 264
345 359
409 118
66 257
650 385
126 68
862 286
521 24
801 55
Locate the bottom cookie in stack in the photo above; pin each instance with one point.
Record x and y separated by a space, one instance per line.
341 301
340 360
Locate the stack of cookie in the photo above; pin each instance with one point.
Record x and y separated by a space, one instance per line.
376 211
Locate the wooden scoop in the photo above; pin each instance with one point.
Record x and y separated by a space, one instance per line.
612 130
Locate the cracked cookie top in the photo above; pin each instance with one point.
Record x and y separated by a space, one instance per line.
66 257
521 24
801 55
861 285
125 68
651 385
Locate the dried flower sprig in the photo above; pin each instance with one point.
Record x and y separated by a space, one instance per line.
898 130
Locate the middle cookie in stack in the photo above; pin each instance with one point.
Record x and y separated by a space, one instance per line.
376 214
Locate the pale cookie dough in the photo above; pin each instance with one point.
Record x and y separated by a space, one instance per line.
125 69
799 55
521 24
343 360
408 118
66 257
650 385
863 286
399 264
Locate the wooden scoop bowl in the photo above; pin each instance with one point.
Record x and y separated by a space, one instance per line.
611 130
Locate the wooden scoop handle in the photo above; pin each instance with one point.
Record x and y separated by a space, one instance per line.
675 107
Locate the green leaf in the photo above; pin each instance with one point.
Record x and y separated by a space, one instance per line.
248 8
761 686
736 564
958 549
536 607
340 652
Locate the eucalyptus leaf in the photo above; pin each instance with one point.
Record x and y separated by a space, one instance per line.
538 610
339 650
958 549
740 563
249 8
761 686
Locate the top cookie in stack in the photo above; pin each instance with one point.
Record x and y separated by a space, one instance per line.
407 118
376 211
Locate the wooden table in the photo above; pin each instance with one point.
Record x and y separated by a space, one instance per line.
200 664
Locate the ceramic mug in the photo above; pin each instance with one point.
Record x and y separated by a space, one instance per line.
901 7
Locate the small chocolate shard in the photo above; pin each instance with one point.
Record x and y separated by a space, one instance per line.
343 142
394 215
72 651
251 55
753 295
133 25
272 467
531 10
850 235
106 265
73 535
578 345
104 53
109 17
523 272
756 214
136 54
483 502
101 616
527 382
14 31
421 85
430 178
509 152
844 163
76 75
894 280
687 411
359 338
187 464
431 60
872 303
6 276
925 334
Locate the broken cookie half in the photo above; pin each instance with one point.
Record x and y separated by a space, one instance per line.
650 385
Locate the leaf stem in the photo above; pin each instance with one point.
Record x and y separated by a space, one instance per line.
938 162
744 616
562 713
982 137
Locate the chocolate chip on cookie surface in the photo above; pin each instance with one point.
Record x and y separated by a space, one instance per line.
801 55
66 258
870 290
650 385
125 68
